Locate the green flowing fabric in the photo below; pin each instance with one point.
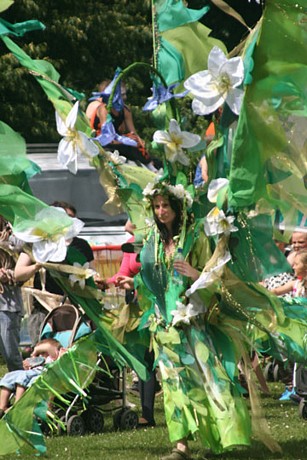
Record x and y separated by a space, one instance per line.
19 28
182 43
87 299
200 396
269 158
15 167
21 210
72 372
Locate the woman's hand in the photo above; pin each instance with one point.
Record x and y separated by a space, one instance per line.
184 268
124 282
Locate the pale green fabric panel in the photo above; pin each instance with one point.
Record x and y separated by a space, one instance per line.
270 140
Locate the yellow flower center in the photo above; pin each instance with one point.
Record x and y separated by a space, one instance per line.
224 83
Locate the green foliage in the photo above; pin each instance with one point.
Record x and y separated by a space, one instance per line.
85 41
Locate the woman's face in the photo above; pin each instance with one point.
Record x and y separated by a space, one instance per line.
299 267
163 211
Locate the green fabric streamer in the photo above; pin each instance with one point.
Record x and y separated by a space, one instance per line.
271 130
20 28
181 40
47 76
173 13
19 427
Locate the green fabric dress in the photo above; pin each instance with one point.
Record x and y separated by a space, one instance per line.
200 395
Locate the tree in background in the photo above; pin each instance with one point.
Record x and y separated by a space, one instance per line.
86 41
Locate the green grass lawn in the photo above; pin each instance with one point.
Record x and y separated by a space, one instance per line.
152 443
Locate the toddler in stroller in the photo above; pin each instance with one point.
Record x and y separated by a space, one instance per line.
67 324
45 351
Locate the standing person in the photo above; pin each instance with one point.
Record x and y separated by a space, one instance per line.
25 269
129 268
11 305
199 395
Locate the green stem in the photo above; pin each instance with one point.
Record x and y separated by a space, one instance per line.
153 22
128 70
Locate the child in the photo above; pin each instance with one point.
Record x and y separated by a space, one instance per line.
297 287
45 352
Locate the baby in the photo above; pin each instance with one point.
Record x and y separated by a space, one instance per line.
44 352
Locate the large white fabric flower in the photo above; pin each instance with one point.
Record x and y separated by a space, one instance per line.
209 277
219 84
49 235
81 278
74 143
216 223
184 313
175 141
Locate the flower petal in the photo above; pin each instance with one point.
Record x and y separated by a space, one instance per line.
234 100
161 137
66 152
60 125
47 250
189 139
235 70
203 108
216 60
215 186
72 116
174 128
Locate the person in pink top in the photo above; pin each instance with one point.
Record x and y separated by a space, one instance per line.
128 269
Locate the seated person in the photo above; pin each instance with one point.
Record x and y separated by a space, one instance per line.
298 242
124 139
45 352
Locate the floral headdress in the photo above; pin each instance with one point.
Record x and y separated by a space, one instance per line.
162 188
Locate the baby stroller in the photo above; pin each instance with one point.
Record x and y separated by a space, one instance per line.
66 324
300 385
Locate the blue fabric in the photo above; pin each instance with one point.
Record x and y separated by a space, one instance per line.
24 378
198 180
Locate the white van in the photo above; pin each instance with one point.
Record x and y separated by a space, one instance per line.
82 190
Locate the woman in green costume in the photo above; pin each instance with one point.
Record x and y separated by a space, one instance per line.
199 395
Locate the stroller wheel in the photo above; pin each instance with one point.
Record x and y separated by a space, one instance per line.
75 426
128 420
94 420
268 372
302 409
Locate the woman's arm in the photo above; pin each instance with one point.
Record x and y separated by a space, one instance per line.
281 290
129 124
102 114
25 268
125 282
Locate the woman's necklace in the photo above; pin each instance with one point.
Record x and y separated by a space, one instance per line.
169 249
